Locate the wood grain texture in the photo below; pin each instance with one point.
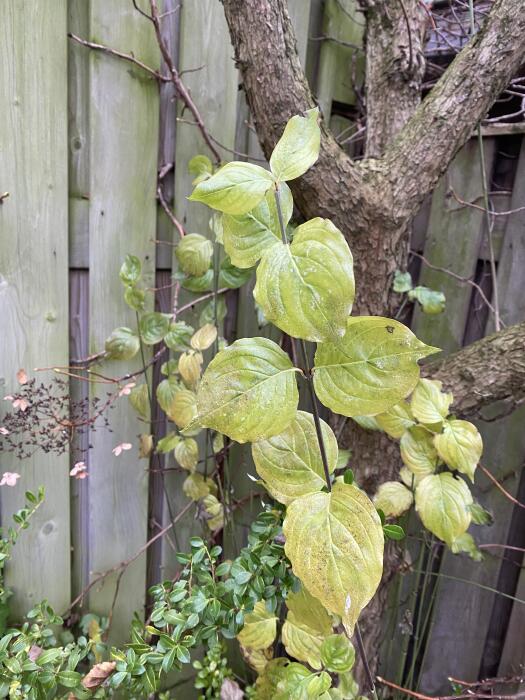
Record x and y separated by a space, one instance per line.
203 43
33 282
124 119
453 240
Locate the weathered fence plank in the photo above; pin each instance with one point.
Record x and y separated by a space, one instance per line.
33 283
122 216
204 43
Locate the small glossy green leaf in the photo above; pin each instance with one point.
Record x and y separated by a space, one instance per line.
248 391
307 288
248 236
394 532
168 443
418 451
443 503
298 148
429 403
299 683
370 369
460 446
402 282
122 344
290 463
153 327
131 270
337 653
178 336
194 253
431 301
234 189
335 544
393 498
231 276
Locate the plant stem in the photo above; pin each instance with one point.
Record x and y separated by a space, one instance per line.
280 216
317 420
362 654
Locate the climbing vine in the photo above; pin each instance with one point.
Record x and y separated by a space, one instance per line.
314 559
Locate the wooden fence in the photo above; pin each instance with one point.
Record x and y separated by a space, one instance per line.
84 136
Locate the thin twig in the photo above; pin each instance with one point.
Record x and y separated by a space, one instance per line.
421 696
500 487
170 213
492 212
120 54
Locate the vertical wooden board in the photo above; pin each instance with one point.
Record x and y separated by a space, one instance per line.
204 42
300 15
461 629
123 156
463 610
512 658
453 240
342 22
33 281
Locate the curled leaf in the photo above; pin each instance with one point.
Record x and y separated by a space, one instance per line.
194 253
122 344
460 446
98 674
418 451
443 503
393 498
429 403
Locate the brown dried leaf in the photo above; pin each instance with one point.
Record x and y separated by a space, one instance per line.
98 674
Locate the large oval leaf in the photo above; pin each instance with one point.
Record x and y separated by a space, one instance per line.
418 451
307 288
248 236
460 446
290 463
307 624
298 148
248 391
194 253
443 504
335 544
370 369
235 188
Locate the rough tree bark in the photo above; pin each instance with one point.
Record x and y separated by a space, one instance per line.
374 201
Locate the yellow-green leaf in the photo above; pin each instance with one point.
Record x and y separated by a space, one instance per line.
248 391
260 628
194 253
337 653
418 451
139 399
257 659
335 544
248 236
187 453
307 624
204 337
298 148
393 498
214 511
367 422
396 420
201 167
290 463
370 369
189 366
153 327
234 189
195 486
299 683
122 344
184 408
460 446
307 288
429 403
167 391
443 503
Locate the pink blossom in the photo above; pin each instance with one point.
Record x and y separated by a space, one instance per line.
21 375
4 431
9 479
22 404
79 471
119 448
126 390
